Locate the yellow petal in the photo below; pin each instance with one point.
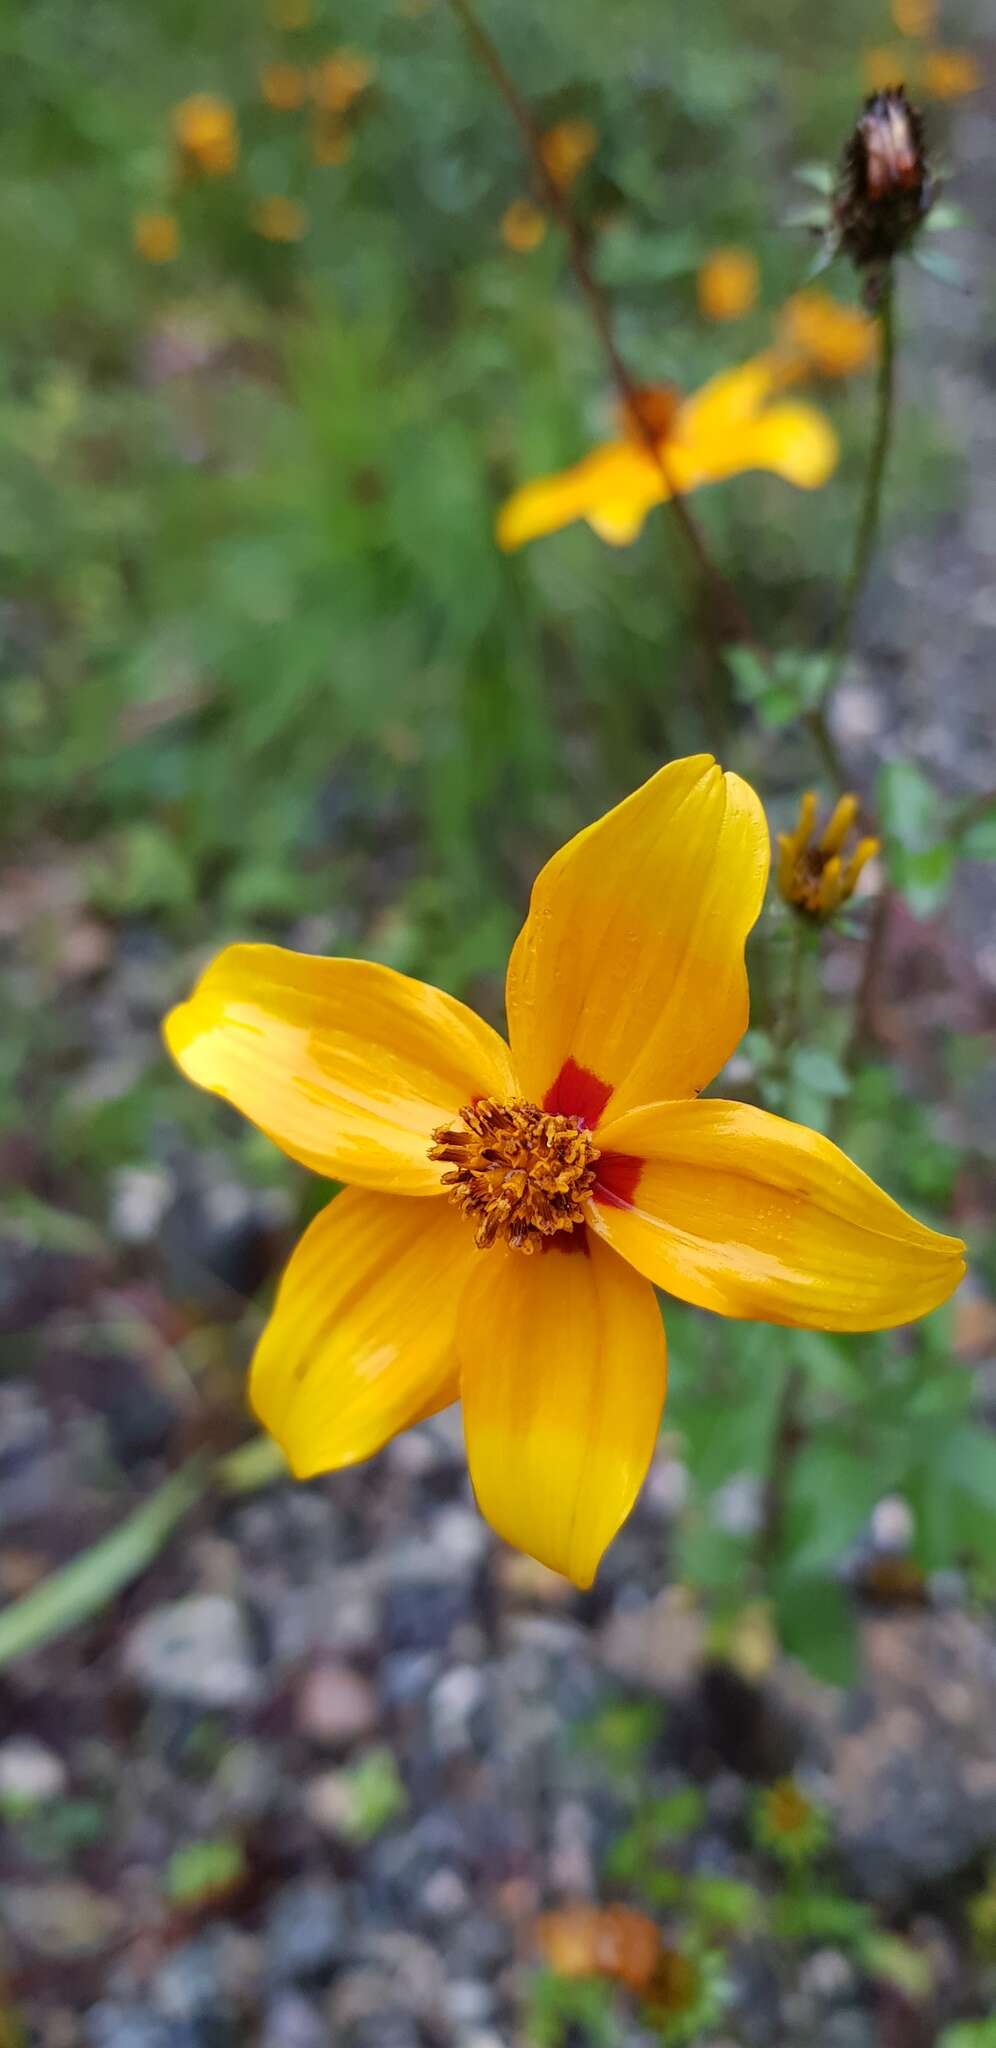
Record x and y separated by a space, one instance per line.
346 1065
839 824
361 1342
618 473
750 1215
562 1378
792 440
629 971
727 400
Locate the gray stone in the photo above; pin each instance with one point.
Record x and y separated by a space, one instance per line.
197 1650
336 1706
30 1774
291 2021
109 2025
305 1932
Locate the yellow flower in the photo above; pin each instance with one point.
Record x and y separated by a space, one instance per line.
818 334
727 284
291 14
914 17
340 80
279 219
566 148
523 226
283 86
726 428
883 66
206 135
812 876
788 1823
156 236
581 1169
950 74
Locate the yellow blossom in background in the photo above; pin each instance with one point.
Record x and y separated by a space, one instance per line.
812 875
206 134
566 148
727 284
884 66
523 226
331 141
788 1823
156 236
915 17
291 14
514 1204
818 333
950 74
723 430
279 219
340 79
283 86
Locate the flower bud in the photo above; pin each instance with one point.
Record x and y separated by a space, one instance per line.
885 188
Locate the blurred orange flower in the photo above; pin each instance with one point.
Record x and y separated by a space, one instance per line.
819 334
283 86
950 74
600 1941
340 79
727 284
279 219
523 226
291 14
566 148
206 134
156 236
724 429
883 66
914 17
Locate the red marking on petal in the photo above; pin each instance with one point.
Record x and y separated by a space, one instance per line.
577 1092
575 1240
618 1174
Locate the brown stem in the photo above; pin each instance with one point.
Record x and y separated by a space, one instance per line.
730 608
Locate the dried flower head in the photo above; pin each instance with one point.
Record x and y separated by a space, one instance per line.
884 191
812 875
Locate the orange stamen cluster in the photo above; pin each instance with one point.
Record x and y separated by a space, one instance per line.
812 875
520 1171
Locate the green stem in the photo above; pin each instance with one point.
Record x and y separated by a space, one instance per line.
867 531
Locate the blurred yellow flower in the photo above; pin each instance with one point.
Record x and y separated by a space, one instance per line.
156 236
206 135
279 219
340 79
291 14
914 17
331 141
883 66
788 1823
950 74
283 86
724 429
819 334
812 876
566 148
523 226
582 1168
727 284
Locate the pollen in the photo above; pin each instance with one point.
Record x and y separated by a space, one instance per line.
521 1172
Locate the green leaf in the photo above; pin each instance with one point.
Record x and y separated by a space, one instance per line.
898 1962
198 1870
819 176
908 806
82 1588
816 1623
978 842
820 1916
813 1067
924 878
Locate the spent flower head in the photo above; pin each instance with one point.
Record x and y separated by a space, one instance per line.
814 878
885 187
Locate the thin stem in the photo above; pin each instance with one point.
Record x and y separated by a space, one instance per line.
868 522
729 604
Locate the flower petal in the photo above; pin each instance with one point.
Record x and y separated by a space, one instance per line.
346 1065
620 473
563 1369
361 1342
792 440
727 400
630 963
753 1216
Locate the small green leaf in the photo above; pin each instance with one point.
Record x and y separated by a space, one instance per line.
819 176
908 806
199 1870
898 1962
816 1623
82 1588
813 1067
979 841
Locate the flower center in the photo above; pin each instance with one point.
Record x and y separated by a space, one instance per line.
807 877
522 1172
